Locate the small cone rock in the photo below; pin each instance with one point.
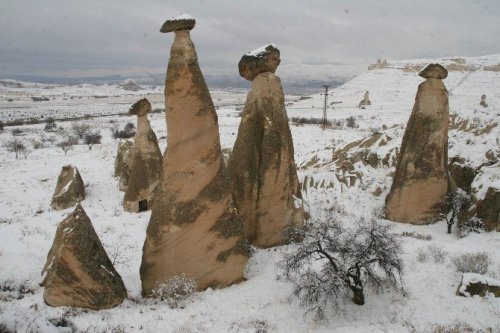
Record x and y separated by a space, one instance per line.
262 167
194 227
122 163
78 272
421 179
145 162
69 189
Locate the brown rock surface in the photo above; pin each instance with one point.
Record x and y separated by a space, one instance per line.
262 166
483 101
434 71
122 163
69 189
194 227
421 178
145 162
181 22
365 101
261 60
78 272
488 209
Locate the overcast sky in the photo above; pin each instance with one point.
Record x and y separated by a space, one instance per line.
337 38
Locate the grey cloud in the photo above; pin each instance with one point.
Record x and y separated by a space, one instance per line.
67 37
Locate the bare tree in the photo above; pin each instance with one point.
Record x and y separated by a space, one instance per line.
66 145
456 203
93 138
16 146
332 260
80 129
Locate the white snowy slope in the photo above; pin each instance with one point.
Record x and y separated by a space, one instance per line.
28 224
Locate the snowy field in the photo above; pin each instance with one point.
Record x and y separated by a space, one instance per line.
262 303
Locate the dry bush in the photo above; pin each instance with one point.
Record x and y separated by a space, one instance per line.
474 262
416 235
16 146
175 291
437 253
422 255
80 129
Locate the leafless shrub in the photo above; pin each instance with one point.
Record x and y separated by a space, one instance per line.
422 255
351 122
15 290
477 262
93 138
332 261
467 225
1 126
80 129
416 235
456 203
66 145
299 121
460 327
252 325
175 291
437 253
126 133
16 132
15 146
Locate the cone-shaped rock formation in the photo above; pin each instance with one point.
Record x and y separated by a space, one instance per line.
261 166
421 179
145 162
69 189
78 271
122 163
194 227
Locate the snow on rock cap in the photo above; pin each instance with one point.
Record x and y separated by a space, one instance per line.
434 71
181 22
264 59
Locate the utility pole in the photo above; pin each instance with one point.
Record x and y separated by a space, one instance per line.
325 107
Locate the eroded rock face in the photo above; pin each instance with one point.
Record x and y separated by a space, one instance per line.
145 162
194 227
421 178
78 272
122 163
365 101
262 166
476 284
69 189
488 209
483 101
261 60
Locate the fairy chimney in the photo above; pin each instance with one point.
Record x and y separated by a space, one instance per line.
69 189
365 101
421 179
145 162
261 166
78 272
194 227
483 101
122 163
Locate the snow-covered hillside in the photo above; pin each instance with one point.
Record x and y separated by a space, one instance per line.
345 171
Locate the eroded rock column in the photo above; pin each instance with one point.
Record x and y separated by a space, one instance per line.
262 167
145 162
421 179
194 227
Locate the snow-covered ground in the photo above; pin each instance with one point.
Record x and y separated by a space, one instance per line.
262 303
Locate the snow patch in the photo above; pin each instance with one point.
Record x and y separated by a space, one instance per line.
261 51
